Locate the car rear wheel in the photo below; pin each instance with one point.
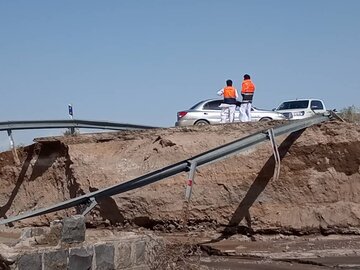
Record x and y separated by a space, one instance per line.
201 123
265 119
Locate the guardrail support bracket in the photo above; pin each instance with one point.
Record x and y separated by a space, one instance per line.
89 206
275 149
190 180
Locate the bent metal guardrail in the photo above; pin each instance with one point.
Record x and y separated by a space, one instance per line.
46 124
71 124
207 157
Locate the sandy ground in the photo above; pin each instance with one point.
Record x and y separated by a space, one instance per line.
274 252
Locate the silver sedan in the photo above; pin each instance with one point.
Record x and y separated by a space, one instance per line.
208 112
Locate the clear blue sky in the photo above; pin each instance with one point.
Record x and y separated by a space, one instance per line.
141 61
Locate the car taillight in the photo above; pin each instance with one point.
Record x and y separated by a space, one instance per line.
181 114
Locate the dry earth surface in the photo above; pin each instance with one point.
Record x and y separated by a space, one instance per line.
316 193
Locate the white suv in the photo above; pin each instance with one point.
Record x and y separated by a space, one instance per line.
301 108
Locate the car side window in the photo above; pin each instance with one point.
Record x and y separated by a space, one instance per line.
297 104
212 105
316 105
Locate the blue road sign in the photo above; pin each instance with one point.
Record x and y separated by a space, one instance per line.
70 110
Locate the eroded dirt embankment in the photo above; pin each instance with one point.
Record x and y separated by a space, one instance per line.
317 189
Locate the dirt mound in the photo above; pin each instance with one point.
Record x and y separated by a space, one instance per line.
317 189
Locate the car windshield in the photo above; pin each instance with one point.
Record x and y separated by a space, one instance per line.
297 104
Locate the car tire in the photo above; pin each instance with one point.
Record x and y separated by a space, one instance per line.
201 123
265 119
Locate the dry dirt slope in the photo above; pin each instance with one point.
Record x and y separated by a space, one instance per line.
318 188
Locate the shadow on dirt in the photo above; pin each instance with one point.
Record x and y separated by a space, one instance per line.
46 154
42 157
19 181
258 186
109 210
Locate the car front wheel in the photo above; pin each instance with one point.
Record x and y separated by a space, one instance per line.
201 123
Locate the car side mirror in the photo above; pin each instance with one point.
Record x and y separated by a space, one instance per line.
273 109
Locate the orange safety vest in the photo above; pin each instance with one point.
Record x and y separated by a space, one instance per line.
229 92
247 87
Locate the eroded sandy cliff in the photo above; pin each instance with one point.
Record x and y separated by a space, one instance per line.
317 189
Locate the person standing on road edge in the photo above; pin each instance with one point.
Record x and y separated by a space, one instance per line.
247 93
228 106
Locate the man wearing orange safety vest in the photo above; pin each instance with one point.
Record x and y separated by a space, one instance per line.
247 92
229 104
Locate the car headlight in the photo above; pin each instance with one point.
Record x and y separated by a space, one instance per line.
301 113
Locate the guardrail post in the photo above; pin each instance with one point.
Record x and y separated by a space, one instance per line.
190 181
189 185
276 154
13 147
336 116
72 131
